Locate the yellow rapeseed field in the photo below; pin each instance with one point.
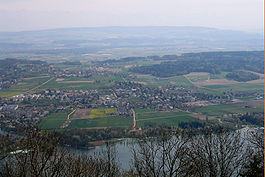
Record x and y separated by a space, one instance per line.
101 112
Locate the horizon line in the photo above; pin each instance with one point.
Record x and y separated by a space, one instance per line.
257 31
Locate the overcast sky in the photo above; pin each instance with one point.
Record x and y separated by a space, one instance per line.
18 15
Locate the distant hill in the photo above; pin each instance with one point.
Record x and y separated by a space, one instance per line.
116 41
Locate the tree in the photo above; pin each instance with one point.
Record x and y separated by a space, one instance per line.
159 156
38 154
254 166
35 154
220 154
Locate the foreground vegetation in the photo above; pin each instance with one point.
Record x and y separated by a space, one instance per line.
210 154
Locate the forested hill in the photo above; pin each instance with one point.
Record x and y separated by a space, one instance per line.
11 68
212 62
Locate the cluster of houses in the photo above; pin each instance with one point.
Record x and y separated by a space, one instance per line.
69 73
7 83
28 108
169 98
22 115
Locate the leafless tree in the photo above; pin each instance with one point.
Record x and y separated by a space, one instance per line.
256 139
35 154
103 164
38 154
159 156
254 166
220 154
5 146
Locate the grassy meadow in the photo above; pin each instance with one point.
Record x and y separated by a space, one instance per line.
220 110
53 121
23 86
103 122
172 118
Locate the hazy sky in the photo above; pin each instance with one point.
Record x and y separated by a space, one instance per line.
17 15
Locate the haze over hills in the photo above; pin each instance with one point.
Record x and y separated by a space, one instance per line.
115 42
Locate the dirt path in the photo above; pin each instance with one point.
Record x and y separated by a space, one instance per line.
191 81
68 120
39 85
72 82
134 120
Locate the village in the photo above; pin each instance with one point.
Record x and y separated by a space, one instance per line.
29 109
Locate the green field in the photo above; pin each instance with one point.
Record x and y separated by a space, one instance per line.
218 76
220 110
70 66
101 81
100 119
8 93
23 86
53 121
219 89
247 98
153 81
240 87
198 78
209 91
140 111
172 118
113 121
142 118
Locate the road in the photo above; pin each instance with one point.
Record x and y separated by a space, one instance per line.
134 120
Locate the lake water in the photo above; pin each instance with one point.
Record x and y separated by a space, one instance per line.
124 149
124 152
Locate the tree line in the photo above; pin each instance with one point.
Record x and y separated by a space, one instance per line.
212 62
242 76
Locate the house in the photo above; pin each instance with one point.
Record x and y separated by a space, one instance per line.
11 107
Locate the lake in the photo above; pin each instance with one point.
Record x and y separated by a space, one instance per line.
123 148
